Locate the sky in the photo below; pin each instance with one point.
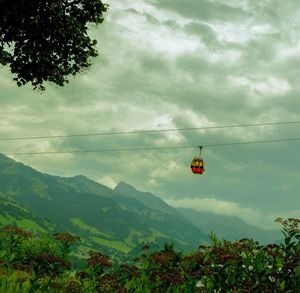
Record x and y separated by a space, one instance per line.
177 64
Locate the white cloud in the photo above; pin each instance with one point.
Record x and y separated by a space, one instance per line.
167 169
260 88
143 7
108 181
285 51
160 39
242 33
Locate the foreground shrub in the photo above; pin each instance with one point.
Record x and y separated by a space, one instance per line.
222 266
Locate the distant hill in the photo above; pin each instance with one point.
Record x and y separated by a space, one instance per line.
111 220
229 228
146 198
158 214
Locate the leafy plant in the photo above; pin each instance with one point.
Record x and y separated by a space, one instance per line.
242 266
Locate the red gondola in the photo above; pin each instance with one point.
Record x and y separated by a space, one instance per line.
197 164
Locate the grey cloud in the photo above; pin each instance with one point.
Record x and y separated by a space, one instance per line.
204 10
132 87
206 33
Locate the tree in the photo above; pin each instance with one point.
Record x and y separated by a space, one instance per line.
47 40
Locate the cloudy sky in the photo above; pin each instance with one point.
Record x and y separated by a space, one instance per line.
178 64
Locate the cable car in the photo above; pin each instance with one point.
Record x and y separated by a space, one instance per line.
197 164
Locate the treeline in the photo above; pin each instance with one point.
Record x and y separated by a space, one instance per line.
35 264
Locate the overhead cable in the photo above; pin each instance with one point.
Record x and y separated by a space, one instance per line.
155 148
147 131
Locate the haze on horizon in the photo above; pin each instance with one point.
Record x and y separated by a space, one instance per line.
178 64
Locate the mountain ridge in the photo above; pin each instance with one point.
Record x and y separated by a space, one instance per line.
104 218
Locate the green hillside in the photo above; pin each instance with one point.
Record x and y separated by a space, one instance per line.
13 213
104 219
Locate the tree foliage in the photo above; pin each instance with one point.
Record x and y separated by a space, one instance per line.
43 40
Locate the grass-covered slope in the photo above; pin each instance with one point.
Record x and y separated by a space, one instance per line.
13 213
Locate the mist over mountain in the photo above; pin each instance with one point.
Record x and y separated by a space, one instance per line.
229 227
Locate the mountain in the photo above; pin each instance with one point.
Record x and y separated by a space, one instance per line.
229 227
106 219
146 198
158 214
